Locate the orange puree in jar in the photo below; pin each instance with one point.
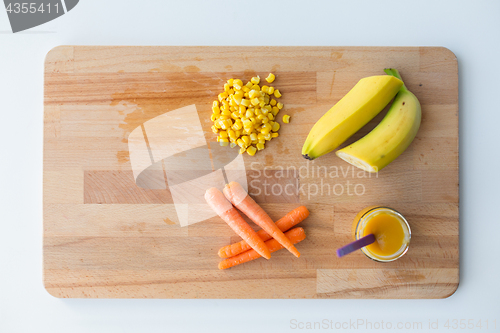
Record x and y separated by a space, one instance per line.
388 232
391 231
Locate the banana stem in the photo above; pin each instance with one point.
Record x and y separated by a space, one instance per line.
394 72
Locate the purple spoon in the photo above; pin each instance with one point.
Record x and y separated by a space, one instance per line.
356 245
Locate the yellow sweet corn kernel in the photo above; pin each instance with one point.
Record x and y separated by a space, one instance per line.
230 82
261 116
240 143
254 94
215 129
276 127
286 119
244 102
260 145
223 141
246 139
253 136
249 114
268 136
230 91
270 91
253 120
256 87
277 93
237 99
215 103
270 78
255 79
249 84
270 116
262 104
221 96
235 115
237 126
251 150
255 101
238 133
213 117
242 150
275 110
275 135
226 112
232 145
237 84
264 89
232 134
265 131
273 102
280 106
245 89
265 120
247 123
226 87
223 135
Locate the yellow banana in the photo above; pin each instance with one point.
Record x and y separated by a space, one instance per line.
361 104
391 137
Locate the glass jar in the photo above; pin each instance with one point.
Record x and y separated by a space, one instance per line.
385 223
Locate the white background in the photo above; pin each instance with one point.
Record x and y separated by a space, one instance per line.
470 29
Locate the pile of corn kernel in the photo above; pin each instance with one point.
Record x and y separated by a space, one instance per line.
245 115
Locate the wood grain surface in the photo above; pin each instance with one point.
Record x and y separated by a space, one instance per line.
105 237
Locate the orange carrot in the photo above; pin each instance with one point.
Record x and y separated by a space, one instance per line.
295 235
230 215
241 200
285 223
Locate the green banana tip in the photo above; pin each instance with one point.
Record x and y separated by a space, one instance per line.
394 72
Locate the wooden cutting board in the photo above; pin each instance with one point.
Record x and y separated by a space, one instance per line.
106 237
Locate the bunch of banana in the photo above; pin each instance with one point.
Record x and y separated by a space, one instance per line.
386 141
